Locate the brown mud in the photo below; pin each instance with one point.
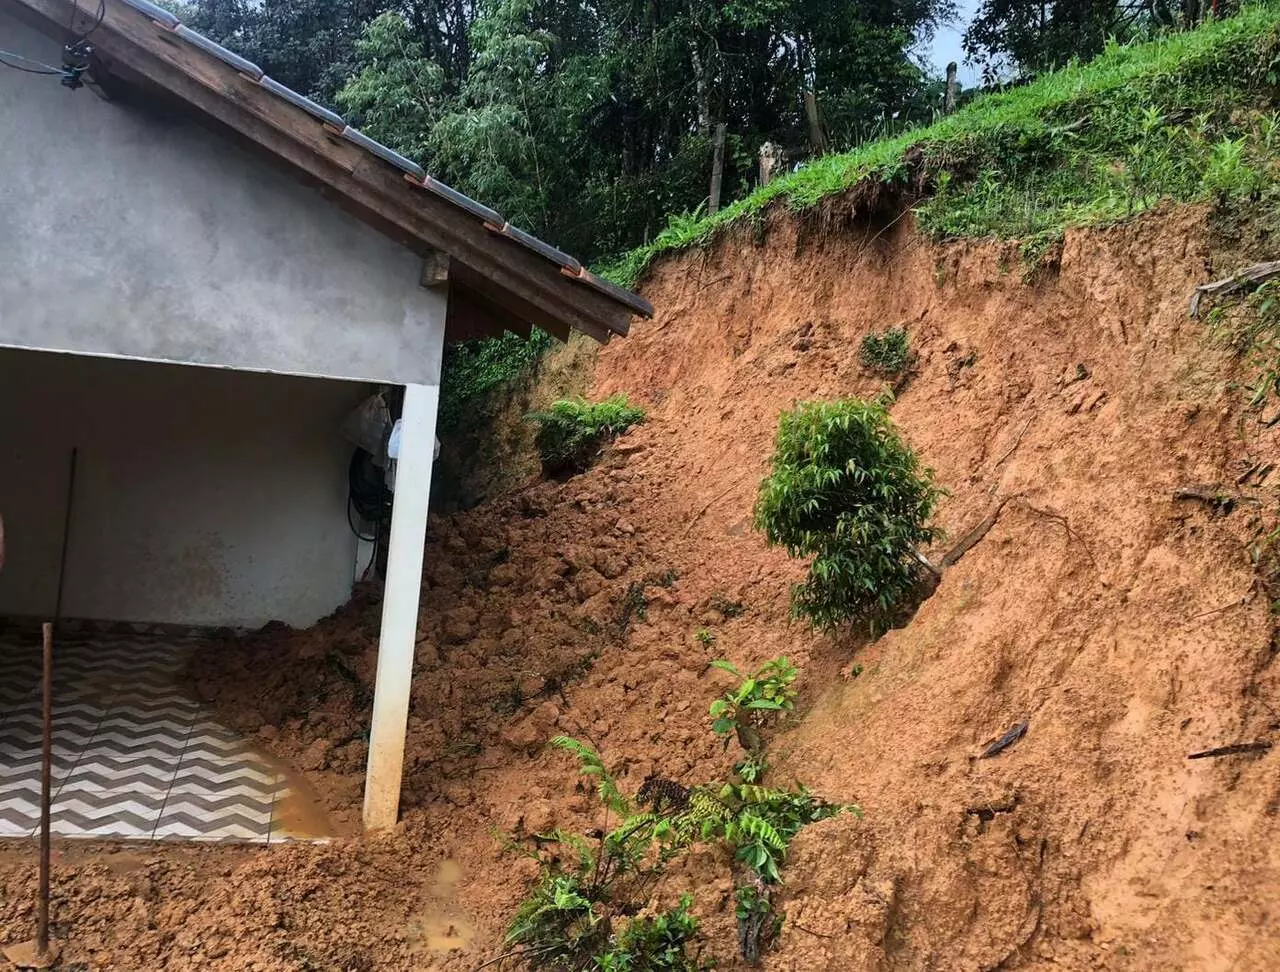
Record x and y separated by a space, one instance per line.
1128 628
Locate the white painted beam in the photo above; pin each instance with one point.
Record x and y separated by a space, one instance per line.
400 606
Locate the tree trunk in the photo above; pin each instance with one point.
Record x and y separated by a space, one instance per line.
702 91
717 167
817 139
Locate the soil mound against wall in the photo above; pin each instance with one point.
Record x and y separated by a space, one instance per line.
1127 628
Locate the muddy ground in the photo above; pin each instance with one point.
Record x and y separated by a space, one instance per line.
1128 628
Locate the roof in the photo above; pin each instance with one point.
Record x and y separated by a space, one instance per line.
499 277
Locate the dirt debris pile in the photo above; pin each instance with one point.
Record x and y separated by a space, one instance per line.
1120 623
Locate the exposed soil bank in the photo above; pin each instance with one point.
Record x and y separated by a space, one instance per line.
1119 622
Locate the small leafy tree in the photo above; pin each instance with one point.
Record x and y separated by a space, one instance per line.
573 431
848 492
744 710
585 913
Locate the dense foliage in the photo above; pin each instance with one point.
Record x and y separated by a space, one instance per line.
1031 37
571 432
589 123
473 370
846 491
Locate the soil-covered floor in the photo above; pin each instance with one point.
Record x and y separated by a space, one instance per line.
1127 627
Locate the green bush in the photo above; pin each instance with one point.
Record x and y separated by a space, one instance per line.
848 492
762 822
573 431
887 354
657 944
558 925
592 909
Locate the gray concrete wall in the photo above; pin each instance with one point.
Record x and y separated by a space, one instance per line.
203 496
126 233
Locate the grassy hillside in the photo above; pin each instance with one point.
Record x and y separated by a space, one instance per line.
1187 117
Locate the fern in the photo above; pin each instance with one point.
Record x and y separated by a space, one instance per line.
750 793
590 764
757 828
578 844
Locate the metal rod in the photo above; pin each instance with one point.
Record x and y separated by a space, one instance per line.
66 535
46 777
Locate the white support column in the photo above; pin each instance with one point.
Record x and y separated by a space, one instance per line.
400 606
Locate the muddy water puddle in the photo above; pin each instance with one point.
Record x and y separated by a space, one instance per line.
298 813
441 925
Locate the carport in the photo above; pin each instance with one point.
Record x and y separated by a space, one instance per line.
215 292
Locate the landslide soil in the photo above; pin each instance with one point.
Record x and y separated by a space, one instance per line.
1129 629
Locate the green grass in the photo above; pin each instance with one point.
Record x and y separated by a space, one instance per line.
1186 117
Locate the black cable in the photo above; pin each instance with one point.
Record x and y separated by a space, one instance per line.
367 493
98 19
355 528
373 554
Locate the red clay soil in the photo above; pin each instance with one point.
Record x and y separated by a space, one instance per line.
1127 627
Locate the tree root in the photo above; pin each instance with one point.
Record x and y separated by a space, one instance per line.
974 536
1246 279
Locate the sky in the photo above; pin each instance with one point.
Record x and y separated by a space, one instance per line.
946 45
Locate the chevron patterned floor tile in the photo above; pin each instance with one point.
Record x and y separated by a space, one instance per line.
134 757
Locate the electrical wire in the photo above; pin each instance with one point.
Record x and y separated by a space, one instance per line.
75 51
367 494
98 18
46 69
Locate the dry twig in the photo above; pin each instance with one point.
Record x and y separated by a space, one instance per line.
1234 749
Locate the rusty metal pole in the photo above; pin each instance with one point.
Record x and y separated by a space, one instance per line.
40 954
46 789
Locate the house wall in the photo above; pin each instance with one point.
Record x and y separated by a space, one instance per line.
131 232
203 496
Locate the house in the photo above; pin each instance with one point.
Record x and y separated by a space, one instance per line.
203 275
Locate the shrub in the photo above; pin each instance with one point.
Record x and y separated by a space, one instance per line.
558 925
762 823
592 909
657 944
848 492
581 914
887 354
573 431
